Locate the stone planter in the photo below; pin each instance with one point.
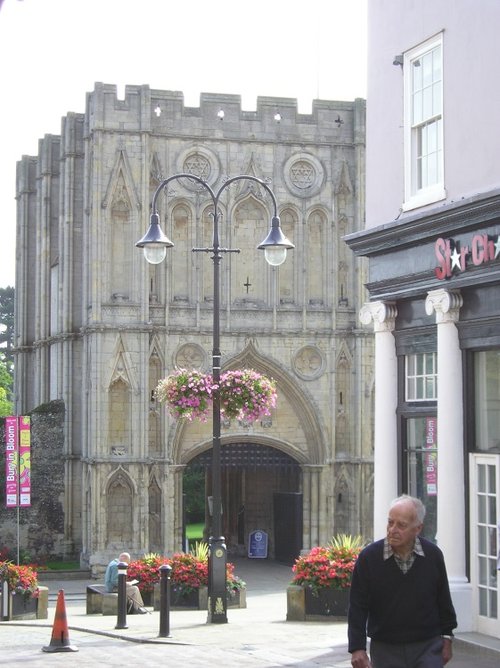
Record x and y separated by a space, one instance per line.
32 608
237 599
23 608
198 599
327 605
148 598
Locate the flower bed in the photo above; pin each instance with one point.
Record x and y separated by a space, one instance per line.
27 600
189 575
244 394
322 579
147 571
22 580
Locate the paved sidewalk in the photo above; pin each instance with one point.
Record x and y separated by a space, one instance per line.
256 636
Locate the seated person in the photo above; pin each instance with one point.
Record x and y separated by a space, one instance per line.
135 604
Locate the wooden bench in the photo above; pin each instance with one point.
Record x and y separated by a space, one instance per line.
100 601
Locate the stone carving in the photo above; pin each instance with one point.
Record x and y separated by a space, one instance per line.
200 162
198 165
303 174
190 356
309 363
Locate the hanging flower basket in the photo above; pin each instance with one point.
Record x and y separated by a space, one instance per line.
244 394
188 394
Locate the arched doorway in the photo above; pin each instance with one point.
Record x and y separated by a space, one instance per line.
253 476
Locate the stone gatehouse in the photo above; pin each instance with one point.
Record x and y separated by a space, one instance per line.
97 327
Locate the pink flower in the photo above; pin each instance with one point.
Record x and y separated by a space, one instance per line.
244 394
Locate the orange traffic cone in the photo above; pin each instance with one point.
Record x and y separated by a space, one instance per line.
60 638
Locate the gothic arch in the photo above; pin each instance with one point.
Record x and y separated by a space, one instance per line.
119 494
345 501
287 274
316 250
122 367
250 221
154 513
155 170
121 175
296 396
156 366
182 217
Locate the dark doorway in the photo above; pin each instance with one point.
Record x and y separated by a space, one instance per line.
287 526
251 474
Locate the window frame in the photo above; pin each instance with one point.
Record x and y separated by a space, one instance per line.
415 196
425 377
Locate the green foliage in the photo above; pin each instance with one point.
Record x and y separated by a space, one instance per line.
200 550
7 327
5 390
5 405
346 541
6 349
193 483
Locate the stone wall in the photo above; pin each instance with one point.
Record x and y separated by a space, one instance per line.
41 527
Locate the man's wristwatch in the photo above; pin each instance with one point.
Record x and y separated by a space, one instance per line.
448 637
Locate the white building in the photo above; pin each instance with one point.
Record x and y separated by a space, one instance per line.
433 242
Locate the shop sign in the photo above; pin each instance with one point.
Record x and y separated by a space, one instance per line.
453 257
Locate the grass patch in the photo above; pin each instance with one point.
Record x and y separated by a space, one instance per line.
63 566
195 531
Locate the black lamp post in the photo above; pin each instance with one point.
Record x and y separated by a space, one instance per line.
275 245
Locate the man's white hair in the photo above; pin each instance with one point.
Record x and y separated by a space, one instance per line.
417 504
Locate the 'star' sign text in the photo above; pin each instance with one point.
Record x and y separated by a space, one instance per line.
452 257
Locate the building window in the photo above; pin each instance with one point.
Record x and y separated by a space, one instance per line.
487 400
421 377
424 173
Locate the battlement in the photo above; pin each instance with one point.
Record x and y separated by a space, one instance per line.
221 116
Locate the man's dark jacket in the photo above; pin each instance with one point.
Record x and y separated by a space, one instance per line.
393 607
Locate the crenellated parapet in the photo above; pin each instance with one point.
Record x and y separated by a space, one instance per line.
221 116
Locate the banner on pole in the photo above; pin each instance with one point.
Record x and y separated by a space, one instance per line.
24 461
431 457
11 462
17 461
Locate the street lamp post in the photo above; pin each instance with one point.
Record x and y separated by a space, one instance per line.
275 245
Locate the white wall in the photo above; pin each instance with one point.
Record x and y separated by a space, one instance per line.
471 57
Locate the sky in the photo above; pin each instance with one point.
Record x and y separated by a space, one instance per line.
53 51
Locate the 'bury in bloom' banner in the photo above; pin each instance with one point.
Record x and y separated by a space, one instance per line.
17 461
24 461
431 457
11 462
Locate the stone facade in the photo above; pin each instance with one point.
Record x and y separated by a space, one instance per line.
97 327
42 527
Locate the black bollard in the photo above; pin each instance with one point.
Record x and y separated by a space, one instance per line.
165 571
121 622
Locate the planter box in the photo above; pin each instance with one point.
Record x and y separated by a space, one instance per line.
328 605
33 608
198 599
148 598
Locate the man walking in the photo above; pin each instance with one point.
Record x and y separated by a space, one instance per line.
400 597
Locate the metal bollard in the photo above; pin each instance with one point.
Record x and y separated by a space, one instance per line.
4 616
121 622
165 571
